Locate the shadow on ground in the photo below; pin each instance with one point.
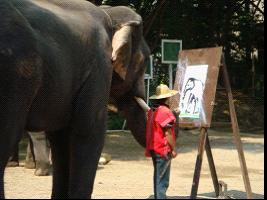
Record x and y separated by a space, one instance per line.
232 194
122 145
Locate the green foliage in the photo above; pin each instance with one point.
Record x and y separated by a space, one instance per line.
115 121
237 25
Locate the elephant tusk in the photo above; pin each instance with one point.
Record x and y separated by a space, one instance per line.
142 104
112 108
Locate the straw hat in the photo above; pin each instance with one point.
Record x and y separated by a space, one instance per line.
162 92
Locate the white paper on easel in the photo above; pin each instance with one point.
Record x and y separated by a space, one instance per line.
192 91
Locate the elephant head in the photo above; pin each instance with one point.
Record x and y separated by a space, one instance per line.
129 52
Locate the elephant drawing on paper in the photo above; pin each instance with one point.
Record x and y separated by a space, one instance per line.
61 62
192 99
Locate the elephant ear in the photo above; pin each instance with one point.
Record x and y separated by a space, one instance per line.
122 47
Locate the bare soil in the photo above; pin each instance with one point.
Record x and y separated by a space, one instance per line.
129 174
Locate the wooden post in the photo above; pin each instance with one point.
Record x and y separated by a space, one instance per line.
170 77
212 166
236 133
201 147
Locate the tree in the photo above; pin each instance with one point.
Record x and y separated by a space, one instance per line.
237 25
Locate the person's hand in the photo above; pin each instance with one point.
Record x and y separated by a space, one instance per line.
174 153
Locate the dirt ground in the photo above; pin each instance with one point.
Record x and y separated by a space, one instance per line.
129 174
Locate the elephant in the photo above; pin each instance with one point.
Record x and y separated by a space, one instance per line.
37 154
61 63
14 157
191 98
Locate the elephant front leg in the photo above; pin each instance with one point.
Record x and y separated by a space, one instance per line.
86 144
87 137
30 162
84 162
41 153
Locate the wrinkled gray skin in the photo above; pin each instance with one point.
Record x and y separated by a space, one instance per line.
37 156
41 151
57 59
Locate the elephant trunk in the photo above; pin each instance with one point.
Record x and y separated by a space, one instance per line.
136 121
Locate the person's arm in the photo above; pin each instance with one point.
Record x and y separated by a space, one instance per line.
171 141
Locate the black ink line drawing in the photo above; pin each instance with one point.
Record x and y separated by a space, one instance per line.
191 96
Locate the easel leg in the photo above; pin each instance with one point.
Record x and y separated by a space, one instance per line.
201 147
236 133
212 166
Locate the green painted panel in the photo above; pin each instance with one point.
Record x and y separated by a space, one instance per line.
170 51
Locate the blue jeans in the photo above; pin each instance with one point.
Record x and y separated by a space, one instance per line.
162 168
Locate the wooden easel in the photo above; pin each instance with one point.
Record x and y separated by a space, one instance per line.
205 144
215 59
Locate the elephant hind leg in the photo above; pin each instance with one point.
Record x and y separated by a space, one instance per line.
2 195
14 159
8 141
10 135
17 94
59 142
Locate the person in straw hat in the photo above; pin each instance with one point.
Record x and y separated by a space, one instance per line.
161 139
